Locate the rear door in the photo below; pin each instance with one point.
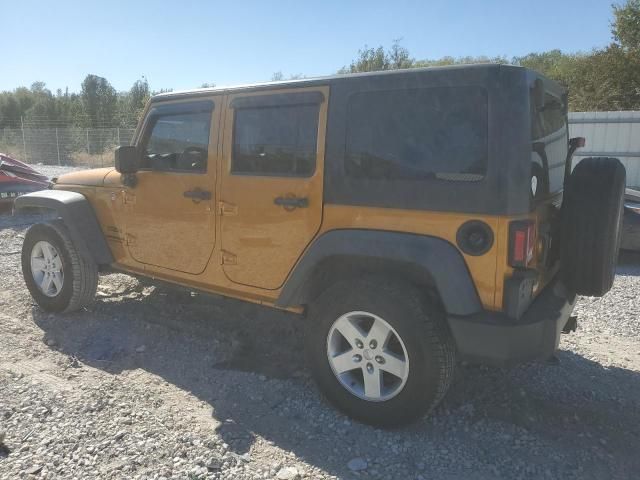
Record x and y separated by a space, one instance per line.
170 214
272 179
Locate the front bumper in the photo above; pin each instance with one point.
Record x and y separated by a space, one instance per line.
495 339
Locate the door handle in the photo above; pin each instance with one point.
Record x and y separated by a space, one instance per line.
289 203
197 194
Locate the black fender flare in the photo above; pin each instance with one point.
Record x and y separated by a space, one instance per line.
79 217
433 259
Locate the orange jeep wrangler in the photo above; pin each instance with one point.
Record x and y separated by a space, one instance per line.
414 217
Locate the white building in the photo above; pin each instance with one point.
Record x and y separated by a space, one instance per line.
609 134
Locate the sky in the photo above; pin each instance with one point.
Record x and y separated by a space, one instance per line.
183 44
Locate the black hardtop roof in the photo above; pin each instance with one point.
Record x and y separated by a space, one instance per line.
328 80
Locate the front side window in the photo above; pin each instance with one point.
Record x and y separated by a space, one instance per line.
416 134
275 140
178 141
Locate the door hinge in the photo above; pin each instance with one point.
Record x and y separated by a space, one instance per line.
229 258
228 209
128 198
130 239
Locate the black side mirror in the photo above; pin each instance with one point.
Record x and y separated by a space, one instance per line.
127 160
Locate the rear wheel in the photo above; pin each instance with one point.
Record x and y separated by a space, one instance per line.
592 212
367 356
379 350
58 276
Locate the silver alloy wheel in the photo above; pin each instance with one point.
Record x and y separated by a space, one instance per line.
46 268
367 356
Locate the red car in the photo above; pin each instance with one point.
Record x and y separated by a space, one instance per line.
17 178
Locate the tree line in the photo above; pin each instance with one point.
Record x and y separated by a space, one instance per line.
97 105
603 79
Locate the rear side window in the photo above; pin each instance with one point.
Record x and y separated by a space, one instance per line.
428 133
275 140
548 119
549 145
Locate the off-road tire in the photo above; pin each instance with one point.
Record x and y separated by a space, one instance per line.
420 324
592 212
80 271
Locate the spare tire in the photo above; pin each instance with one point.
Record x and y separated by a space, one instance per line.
592 211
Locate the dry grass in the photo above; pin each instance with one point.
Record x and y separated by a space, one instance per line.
84 159
13 151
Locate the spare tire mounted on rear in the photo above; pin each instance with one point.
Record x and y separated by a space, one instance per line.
592 211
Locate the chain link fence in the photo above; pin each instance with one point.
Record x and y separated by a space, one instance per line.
72 146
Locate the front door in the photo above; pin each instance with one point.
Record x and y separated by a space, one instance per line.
271 189
170 219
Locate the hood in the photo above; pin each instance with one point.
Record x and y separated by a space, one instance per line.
91 178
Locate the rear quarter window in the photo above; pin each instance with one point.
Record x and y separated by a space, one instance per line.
418 134
549 145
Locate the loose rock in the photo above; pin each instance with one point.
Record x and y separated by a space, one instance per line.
287 473
357 464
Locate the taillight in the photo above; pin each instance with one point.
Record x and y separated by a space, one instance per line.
522 238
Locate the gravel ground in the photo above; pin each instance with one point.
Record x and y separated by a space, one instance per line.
156 382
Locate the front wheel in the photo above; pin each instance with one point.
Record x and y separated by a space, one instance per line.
379 350
58 276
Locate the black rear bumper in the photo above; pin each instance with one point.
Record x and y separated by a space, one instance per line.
494 338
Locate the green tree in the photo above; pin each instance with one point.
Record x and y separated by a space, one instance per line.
69 107
445 61
553 63
603 79
608 79
10 111
43 111
279 76
137 99
99 100
368 60
139 94
25 99
397 56
626 25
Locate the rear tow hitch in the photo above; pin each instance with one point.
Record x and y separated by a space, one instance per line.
571 325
